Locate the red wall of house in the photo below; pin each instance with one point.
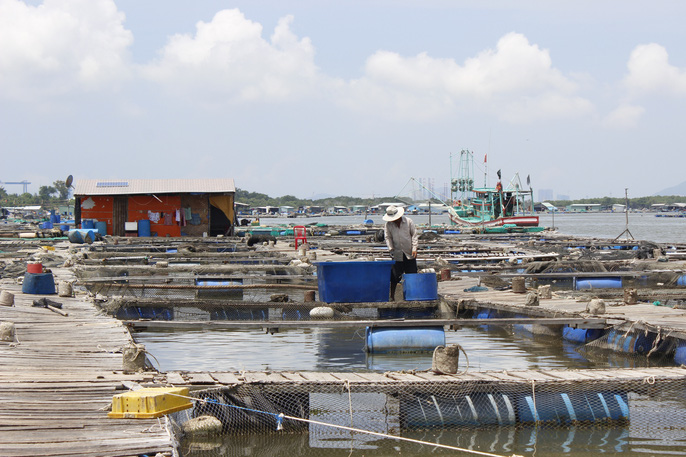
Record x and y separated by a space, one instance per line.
101 210
139 205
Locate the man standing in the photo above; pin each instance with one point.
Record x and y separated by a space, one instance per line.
402 240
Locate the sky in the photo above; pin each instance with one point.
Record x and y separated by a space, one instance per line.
313 98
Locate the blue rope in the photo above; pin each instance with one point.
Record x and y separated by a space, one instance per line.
279 417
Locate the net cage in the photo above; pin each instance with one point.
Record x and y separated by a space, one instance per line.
206 298
328 411
625 345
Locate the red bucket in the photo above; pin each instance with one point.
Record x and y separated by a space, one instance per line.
35 268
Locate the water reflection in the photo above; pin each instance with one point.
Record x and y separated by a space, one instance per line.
570 441
343 350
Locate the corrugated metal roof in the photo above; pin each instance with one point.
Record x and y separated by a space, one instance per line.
152 186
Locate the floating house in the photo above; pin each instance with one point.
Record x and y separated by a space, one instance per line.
584 208
156 207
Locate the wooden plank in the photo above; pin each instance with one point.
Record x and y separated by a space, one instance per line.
357 377
175 378
315 377
226 378
200 378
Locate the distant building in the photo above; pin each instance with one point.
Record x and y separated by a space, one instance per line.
173 207
618 208
545 194
562 197
584 208
286 210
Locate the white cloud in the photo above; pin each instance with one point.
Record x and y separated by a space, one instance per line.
227 59
516 81
651 72
60 46
624 116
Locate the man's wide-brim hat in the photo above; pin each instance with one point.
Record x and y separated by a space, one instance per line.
393 213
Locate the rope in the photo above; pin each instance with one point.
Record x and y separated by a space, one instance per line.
280 417
346 383
533 398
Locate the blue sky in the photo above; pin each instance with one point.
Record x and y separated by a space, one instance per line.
344 98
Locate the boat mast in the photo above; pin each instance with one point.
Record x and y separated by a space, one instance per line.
464 184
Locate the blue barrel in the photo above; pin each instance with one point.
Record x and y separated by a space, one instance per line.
81 236
420 286
144 227
64 227
46 225
101 227
569 408
87 224
680 354
581 335
55 218
75 236
599 283
423 411
403 339
681 281
38 283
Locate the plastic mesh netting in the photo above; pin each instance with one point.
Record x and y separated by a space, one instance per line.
395 407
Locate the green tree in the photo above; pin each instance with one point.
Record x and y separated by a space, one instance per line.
62 189
45 192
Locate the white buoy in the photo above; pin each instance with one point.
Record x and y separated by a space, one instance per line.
321 312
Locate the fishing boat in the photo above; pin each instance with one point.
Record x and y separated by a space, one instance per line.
508 208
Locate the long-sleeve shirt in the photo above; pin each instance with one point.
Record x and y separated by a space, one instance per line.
401 239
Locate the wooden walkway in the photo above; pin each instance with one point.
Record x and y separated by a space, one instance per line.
426 378
643 316
58 379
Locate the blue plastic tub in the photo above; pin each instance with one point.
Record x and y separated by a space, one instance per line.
144 227
598 283
64 227
38 283
46 225
354 282
420 286
403 339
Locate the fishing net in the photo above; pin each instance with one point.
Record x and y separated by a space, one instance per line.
333 410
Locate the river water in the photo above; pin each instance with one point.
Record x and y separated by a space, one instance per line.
641 225
331 350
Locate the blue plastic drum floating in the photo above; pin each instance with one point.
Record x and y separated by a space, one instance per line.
403 339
